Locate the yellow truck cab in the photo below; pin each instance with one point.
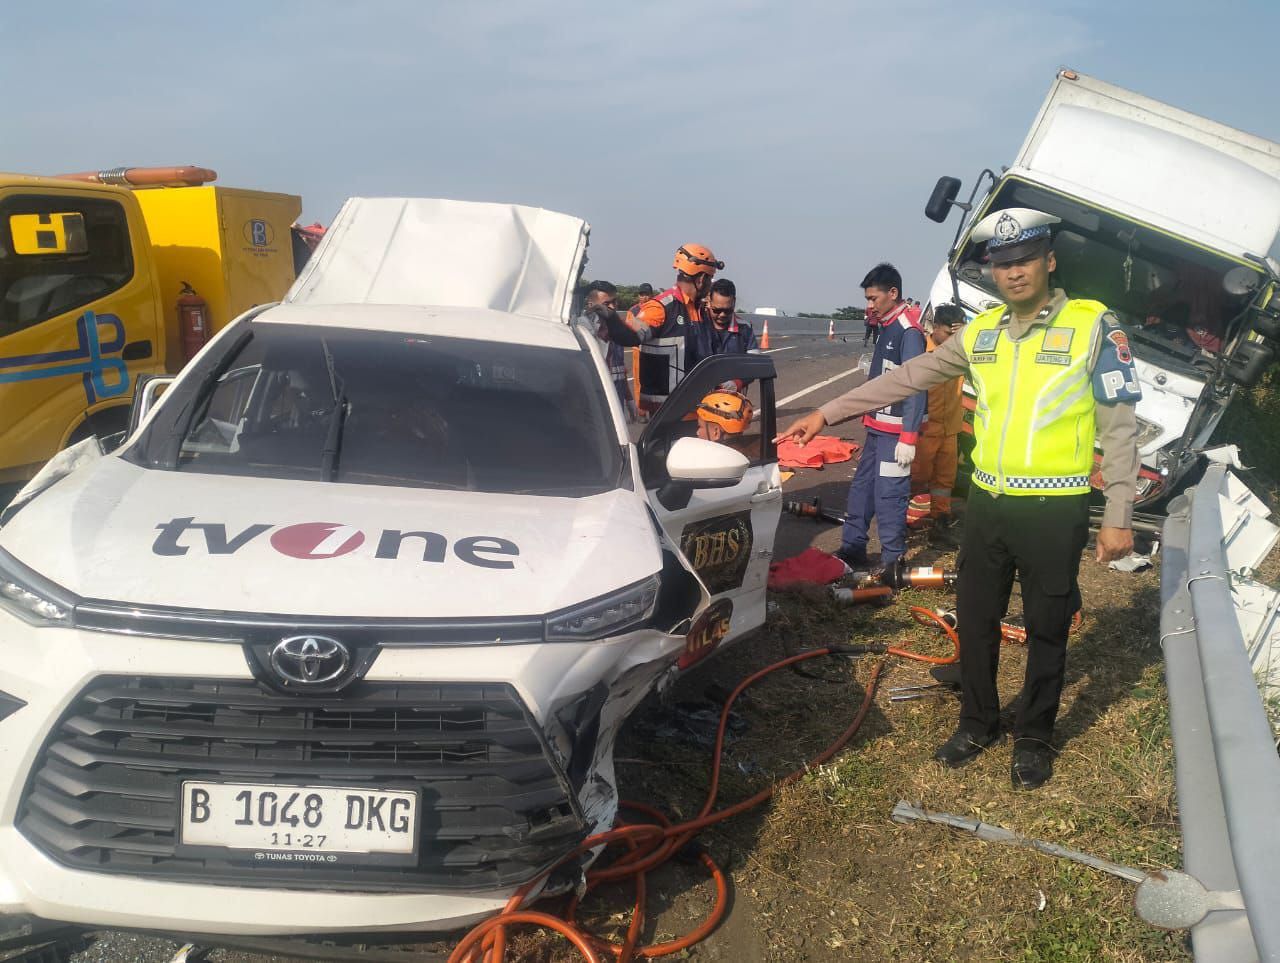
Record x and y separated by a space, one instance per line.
90 276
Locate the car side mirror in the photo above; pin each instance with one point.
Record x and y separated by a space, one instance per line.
705 464
145 395
697 463
942 199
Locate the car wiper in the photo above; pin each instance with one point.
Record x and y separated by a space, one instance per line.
337 417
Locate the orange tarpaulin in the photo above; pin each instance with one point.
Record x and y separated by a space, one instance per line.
821 450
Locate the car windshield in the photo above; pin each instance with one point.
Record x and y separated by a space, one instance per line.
1178 302
382 408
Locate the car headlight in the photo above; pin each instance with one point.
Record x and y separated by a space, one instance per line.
32 598
1148 431
602 617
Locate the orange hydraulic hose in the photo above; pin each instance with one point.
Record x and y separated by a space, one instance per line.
1009 635
650 845
924 617
856 596
570 932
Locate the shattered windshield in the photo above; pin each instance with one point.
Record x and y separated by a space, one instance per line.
1177 301
383 408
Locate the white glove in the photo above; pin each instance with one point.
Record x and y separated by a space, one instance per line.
904 454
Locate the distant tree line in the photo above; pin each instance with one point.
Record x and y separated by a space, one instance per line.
627 293
847 313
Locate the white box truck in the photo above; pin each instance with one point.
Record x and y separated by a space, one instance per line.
1171 220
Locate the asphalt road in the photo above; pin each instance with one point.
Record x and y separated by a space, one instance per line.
811 371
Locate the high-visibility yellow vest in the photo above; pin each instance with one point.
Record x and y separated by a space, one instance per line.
1034 422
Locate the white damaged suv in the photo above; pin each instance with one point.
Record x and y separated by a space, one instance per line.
340 637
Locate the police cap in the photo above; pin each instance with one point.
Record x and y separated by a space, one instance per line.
1014 233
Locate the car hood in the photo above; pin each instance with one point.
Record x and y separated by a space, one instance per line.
117 532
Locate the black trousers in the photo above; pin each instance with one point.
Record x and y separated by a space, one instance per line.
1039 539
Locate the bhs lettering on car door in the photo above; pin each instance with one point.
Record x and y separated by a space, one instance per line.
719 550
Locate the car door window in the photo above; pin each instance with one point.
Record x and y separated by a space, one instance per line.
57 254
681 415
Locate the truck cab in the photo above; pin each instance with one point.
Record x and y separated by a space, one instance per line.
1169 219
90 274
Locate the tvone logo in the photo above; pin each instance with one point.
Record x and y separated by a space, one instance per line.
321 540
316 540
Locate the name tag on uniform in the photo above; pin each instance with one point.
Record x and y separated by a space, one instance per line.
985 342
1057 340
982 359
1045 358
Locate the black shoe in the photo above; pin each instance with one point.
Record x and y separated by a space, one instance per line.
962 747
854 556
1032 766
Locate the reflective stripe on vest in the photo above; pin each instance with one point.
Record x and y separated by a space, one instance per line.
662 357
1034 421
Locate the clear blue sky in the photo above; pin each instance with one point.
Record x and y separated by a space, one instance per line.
799 140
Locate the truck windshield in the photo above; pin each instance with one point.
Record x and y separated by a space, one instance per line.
1179 302
409 410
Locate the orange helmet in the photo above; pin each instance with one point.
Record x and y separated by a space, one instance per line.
695 259
728 409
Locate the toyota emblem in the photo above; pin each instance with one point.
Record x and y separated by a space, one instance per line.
310 659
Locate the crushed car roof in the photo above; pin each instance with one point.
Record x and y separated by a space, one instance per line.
417 250
479 324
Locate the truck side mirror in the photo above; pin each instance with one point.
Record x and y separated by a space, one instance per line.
1249 362
943 196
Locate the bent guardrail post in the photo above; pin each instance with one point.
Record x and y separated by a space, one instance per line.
1227 769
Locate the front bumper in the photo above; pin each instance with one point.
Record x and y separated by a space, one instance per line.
87 811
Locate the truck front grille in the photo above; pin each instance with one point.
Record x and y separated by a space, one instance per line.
495 809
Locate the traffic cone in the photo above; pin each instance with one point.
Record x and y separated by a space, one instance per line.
764 336
831 330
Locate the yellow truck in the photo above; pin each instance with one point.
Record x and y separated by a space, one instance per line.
92 275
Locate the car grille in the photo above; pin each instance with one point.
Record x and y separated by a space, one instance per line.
103 795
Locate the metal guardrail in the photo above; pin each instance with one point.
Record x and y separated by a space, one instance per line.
1227 768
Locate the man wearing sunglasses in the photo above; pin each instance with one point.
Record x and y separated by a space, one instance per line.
728 334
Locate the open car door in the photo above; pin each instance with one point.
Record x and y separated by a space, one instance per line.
726 533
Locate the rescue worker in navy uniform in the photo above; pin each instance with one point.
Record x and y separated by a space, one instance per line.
1051 373
669 328
881 485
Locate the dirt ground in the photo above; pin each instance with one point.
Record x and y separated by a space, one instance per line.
822 873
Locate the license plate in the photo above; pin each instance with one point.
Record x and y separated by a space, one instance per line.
299 823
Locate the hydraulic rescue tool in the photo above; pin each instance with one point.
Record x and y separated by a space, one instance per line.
814 509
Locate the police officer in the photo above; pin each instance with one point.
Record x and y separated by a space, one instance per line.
1051 374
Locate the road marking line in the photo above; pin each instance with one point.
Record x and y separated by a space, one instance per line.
812 388
776 350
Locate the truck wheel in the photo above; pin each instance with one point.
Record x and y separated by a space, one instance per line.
103 424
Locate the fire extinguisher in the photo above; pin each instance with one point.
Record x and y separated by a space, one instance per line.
193 321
